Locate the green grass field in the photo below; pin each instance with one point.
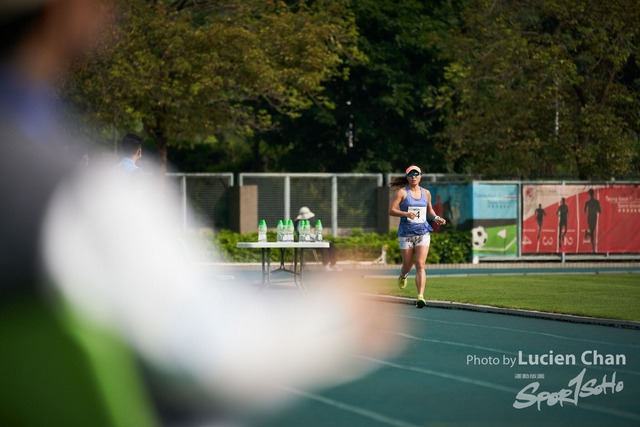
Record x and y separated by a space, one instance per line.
613 296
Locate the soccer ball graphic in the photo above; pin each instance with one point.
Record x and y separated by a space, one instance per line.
478 237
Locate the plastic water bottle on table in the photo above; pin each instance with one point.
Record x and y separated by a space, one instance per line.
301 230
307 231
318 231
262 231
280 231
290 231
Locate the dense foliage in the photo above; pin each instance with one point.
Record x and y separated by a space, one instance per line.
543 87
211 71
502 88
381 120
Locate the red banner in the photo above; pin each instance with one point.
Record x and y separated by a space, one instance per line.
581 219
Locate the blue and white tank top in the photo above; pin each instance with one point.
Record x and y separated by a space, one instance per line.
419 225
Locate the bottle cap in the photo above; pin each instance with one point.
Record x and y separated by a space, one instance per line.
262 222
318 222
279 222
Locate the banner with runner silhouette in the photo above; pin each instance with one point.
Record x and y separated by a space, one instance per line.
580 219
495 219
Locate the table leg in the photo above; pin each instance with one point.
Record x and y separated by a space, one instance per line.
263 269
301 286
268 267
266 270
297 266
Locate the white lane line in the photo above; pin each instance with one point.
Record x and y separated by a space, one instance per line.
520 331
350 408
477 347
495 350
442 375
589 407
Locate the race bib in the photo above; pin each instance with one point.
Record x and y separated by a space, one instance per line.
421 214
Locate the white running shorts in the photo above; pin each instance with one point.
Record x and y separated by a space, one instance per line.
408 242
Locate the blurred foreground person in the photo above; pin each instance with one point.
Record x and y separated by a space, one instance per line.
78 155
91 287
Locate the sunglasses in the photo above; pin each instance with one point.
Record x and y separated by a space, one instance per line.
413 174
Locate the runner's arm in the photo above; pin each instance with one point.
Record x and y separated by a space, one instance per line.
431 213
398 197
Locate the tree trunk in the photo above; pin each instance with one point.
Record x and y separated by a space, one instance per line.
260 162
160 136
161 146
584 168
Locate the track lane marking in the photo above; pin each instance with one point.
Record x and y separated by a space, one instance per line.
520 331
349 408
589 407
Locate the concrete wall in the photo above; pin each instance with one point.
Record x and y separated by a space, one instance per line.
385 222
243 209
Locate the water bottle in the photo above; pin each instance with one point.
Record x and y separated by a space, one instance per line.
290 231
301 230
307 231
280 230
262 231
318 231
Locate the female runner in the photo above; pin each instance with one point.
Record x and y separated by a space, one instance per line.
412 204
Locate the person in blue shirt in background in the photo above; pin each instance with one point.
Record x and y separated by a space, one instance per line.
131 147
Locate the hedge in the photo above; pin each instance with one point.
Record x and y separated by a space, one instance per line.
450 247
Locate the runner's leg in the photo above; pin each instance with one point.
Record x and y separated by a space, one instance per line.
421 253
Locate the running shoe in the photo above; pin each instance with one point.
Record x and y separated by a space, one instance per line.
420 302
402 282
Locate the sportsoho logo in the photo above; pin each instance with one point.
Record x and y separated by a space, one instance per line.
576 390
577 387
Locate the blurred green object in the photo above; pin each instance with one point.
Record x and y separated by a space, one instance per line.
58 370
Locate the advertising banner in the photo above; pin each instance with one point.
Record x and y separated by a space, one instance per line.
581 219
452 202
495 213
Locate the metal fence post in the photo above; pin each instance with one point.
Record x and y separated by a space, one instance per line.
334 206
183 190
520 220
287 197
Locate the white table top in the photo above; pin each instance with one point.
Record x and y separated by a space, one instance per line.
298 245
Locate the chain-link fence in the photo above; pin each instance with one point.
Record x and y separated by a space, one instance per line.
340 201
204 198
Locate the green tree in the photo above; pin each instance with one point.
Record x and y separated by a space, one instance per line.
381 121
201 71
541 87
